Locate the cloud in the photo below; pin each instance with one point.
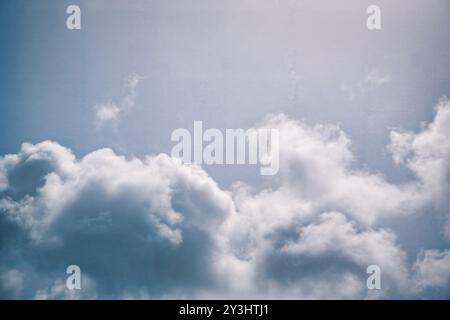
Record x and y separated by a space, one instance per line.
58 291
322 218
372 80
432 269
106 113
427 153
109 215
375 78
109 113
131 83
317 167
447 229
12 282
335 234
154 228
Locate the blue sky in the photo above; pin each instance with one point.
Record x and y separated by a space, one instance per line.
243 59
230 64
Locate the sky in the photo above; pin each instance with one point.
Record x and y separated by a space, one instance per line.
87 177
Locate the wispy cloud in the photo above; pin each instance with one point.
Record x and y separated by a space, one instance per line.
106 113
373 79
109 113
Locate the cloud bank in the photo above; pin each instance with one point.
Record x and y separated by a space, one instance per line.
155 228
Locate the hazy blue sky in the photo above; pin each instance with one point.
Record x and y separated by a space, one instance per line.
230 64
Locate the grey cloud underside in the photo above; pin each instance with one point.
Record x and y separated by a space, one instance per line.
155 228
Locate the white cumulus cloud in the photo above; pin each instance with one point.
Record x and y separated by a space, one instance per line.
153 227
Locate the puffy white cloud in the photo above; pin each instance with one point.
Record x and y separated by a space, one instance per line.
153 227
110 215
316 166
427 153
336 235
322 217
